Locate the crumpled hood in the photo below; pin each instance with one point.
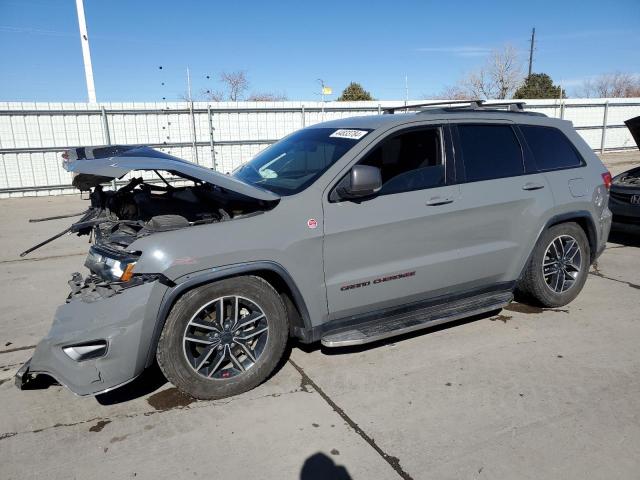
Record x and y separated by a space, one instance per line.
96 165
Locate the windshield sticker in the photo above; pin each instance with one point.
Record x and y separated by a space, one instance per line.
352 134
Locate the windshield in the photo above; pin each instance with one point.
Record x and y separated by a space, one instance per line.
295 162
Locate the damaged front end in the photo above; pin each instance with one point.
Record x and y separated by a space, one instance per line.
101 336
95 342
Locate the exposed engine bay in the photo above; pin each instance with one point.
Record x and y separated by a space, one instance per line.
140 208
629 178
115 219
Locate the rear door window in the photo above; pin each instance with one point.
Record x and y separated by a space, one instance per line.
490 151
551 149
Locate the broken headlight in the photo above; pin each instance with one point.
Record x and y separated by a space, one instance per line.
111 265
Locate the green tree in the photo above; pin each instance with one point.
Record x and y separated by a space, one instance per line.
354 92
538 85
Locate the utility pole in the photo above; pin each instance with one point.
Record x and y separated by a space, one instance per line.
86 54
533 40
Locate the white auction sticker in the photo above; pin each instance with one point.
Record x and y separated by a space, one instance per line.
346 133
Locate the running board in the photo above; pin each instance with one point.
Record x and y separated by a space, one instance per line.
397 324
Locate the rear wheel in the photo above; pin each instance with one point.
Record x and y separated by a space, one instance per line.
224 338
558 267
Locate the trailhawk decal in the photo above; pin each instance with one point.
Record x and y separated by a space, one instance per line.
352 134
377 281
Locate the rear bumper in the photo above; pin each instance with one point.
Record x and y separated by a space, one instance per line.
605 229
119 320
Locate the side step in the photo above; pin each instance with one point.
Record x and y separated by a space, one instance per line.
424 317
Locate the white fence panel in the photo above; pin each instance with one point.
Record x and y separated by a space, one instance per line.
226 134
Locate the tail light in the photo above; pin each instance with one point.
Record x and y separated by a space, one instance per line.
606 179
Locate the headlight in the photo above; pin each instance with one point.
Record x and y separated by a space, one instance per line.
110 265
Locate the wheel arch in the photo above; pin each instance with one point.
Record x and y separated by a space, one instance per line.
584 220
275 274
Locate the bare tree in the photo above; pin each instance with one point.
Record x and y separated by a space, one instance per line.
498 78
611 85
266 97
214 95
236 84
234 88
451 92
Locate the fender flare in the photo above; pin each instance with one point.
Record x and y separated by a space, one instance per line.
196 279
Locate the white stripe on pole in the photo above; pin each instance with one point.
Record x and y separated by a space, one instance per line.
86 54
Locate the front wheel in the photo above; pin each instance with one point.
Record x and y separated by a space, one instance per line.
224 338
558 267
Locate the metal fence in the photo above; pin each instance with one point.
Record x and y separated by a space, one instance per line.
217 135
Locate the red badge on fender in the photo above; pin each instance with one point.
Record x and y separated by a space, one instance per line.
312 223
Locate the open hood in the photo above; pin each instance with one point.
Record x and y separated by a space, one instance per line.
633 124
96 165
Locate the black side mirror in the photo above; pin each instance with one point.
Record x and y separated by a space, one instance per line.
362 181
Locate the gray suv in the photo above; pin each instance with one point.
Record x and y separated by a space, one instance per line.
345 232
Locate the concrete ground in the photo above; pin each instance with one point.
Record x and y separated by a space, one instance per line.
527 393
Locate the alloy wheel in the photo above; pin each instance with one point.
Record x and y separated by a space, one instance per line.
562 263
225 337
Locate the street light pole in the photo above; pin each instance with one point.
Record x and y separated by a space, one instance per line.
321 82
86 54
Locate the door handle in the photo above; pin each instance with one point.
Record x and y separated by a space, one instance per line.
532 186
436 201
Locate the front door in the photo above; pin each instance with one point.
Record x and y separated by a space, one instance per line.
396 247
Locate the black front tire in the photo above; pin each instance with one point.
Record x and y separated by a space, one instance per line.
533 288
170 352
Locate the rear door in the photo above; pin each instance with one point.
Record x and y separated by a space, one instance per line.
503 200
398 246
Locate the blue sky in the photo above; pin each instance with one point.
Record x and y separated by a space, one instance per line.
284 46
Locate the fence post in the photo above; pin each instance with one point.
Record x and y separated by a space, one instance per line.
105 127
304 117
213 152
379 109
604 126
107 136
562 110
193 128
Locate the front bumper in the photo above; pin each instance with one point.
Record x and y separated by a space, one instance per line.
622 208
122 320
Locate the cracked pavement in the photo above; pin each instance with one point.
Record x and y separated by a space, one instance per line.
526 393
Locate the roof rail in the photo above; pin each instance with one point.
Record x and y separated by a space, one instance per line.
475 103
512 106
